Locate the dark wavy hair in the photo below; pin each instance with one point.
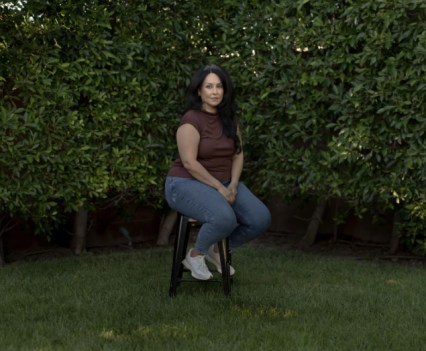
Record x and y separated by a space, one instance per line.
226 109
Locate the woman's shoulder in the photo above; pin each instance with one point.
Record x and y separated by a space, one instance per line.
192 113
197 116
192 117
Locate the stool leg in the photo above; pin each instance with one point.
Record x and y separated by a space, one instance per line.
225 263
181 242
186 230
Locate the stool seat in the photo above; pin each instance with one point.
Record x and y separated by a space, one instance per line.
183 230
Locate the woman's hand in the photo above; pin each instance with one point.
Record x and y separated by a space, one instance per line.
228 194
233 189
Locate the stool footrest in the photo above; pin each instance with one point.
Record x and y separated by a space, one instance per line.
180 247
189 280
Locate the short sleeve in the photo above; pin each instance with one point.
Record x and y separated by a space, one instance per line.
191 118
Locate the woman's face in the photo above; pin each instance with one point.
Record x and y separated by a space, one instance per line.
211 92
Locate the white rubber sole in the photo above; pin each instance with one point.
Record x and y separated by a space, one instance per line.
218 265
194 274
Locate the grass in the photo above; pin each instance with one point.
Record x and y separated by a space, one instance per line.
279 301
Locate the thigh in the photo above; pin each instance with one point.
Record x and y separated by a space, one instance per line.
196 200
249 209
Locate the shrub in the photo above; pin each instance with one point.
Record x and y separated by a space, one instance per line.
331 96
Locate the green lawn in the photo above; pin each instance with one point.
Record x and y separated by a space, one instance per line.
280 301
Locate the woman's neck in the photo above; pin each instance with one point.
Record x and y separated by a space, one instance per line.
210 112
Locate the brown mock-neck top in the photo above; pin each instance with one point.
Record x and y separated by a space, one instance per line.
215 150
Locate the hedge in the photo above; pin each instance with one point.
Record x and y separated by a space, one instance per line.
331 98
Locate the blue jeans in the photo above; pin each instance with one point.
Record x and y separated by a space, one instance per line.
241 221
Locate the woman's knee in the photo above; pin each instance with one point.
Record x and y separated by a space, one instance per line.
225 220
261 221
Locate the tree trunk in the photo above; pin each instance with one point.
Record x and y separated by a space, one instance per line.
80 230
166 228
2 259
394 242
311 233
335 220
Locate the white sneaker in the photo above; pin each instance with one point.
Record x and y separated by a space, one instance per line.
197 266
214 258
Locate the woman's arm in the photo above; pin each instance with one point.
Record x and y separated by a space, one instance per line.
237 168
188 139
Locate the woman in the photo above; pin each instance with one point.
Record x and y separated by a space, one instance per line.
204 181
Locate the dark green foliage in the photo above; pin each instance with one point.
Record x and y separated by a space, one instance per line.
331 97
334 100
89 96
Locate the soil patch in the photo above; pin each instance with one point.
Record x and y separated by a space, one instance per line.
342 247
348 248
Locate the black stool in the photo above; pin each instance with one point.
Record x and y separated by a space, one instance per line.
179 252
